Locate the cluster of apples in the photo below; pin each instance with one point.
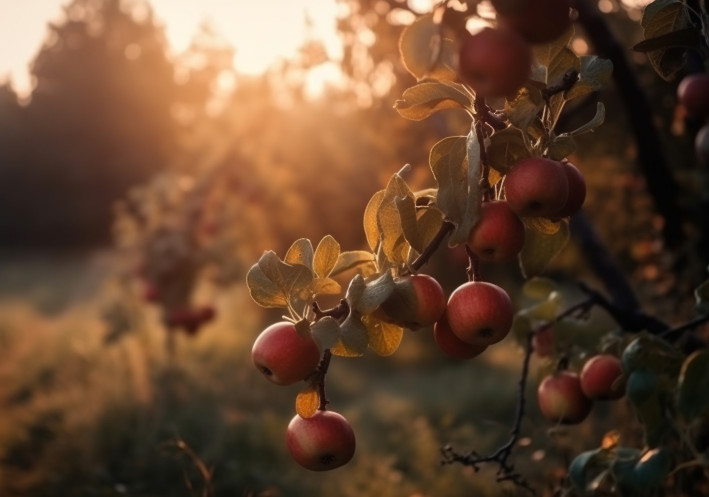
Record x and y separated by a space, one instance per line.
693 95
496 61
566 397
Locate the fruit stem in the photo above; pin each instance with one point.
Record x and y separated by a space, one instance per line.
321 372
473 268
340 311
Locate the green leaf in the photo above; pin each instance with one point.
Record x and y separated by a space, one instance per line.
539 249
354 337
424 52
648 352
371 226
663 17
424 99
352 259
264 291
325 332
594 75
593 123
561 147
539 288
384 338
507 147
692 398
301 252
523 110
326 255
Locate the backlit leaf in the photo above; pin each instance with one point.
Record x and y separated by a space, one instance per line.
301 252
424 52
593 123
545 54
507 147
352 259
420 101
542 225
371 226
326 255
406 207
663 17
289 279
524 108
692 398
539 249
384 338
429 223
595 75
326 286
264 291
307 402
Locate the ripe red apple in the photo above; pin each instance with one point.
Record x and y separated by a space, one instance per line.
538 21
480 313
693 94
598 378
451 345
283 356
418 300
499 233
577 190
537 187
495 62
322 442
561 399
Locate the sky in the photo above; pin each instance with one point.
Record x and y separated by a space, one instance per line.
262 31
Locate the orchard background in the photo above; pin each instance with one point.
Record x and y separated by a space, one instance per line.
136 192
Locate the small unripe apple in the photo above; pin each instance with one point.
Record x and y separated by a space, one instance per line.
600 378
538 21
283 356
322 442
537 187
451 345
480 313
577 190
693 94
495 62
561 399
418 300
498 234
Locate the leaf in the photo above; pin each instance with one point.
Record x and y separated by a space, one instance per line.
586 466
307 402
542 225
684 38
662 17
425 52
692 398
539 249
326 255
264 291
371 226
375 293
594 75
545 54
289 279
389 220
325 332
473 198
424 99
593 123
610 440
564 61
355 290
326 286
301 252
525 107
507 147
384 338
429 224
561 147
352 259
406 207
353 337
539 288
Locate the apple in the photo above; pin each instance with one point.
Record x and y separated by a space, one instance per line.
561 399
498 234
537 187
600 378
577 190
283 356
538 21
322 442
418 300
480 313
543 342
451 345
495 62
693 94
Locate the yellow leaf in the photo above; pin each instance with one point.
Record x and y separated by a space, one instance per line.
307 402
610 440
384 338
542 225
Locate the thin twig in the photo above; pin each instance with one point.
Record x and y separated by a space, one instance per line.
422 259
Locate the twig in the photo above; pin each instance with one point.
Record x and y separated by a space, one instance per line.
319 379
506 470
340 311
422 259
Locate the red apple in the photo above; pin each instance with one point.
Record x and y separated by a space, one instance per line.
417 300
495 62
537 187
543 342
600 378
283 356
561 399
451 345
498 234
577 190
480 313
322 442
693 94
538 21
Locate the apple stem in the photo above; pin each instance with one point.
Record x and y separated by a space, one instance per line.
321 372
473 268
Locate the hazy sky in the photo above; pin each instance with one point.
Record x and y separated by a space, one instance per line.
261 30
